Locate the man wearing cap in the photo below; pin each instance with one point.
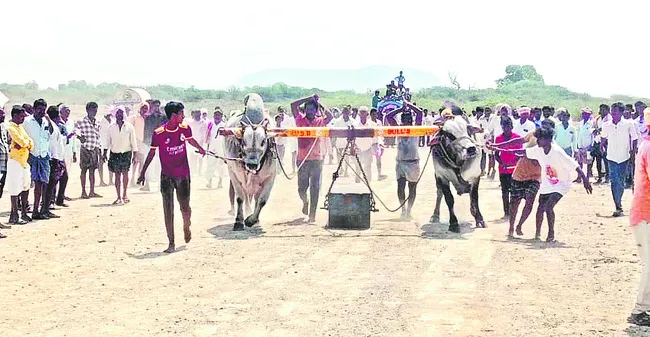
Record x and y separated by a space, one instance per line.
640 221
585 143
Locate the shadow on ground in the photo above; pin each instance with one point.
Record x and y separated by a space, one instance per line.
534 244
153 255
225 232
440 231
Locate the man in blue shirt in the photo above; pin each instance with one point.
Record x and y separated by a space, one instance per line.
40 130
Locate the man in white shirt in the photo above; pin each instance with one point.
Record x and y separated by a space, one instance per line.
585 142
524 125
199 131
104 125
70 150
214 143
122 143
57 160
364 145
291 143
619 137
599 156
340 143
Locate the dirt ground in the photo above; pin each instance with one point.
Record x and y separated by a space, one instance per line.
99 270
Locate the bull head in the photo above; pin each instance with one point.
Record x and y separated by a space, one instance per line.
254 144
455 140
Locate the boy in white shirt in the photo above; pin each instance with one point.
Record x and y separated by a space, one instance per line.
556 168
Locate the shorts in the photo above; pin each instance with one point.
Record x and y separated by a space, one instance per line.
120 162
18 179
378 150
583 156
57 169
410 170
524 189
40 169
89 159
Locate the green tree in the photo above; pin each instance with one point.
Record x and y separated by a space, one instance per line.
517 73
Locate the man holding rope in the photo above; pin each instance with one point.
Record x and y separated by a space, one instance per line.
310 157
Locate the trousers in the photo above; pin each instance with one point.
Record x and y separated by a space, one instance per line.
642 235
617 174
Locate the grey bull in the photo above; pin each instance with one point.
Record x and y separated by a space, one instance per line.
254 174
457 161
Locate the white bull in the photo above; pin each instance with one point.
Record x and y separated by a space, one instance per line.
254 174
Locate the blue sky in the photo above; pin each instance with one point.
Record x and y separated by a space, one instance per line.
588 46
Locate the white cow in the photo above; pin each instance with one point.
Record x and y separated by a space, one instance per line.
253 176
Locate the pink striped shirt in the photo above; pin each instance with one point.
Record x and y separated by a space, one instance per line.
640 210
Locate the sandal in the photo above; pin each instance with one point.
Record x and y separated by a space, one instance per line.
126 200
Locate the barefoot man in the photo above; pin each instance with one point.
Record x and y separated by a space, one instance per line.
122 142
87 131
171 139
18 170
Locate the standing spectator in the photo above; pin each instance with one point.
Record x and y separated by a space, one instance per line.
214 142
4 150
291 143
199 130
58 172
585 143
378 145
616 136
71 145
155 119
40 130
639 108
171 139
375 99
104 124
364 145
640 221
598 153
18 170
524 125
137 120
565 133
344 121
123 144
309 152
87 131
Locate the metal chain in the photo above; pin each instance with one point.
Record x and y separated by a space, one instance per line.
429 156
335 175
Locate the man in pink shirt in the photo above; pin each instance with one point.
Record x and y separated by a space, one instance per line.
170 139
640 221
310 156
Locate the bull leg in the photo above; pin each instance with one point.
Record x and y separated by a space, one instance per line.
260 202
239 224
449 199
474 209
435 218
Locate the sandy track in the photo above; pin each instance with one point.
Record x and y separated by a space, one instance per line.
98 271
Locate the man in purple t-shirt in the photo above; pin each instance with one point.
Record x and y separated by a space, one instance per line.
171 140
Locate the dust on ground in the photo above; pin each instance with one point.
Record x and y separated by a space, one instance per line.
99 270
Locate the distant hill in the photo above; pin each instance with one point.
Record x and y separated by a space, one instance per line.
359 80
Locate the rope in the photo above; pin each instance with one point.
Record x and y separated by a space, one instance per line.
210 153
293 175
